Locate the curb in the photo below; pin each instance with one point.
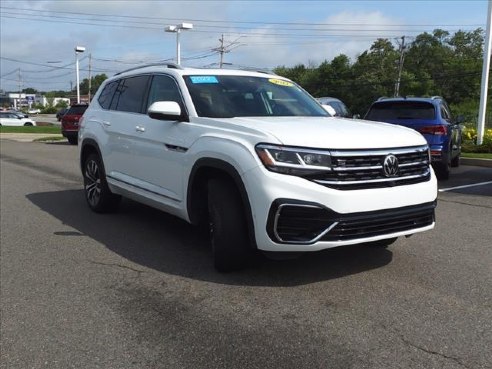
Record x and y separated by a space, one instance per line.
27 137
476 162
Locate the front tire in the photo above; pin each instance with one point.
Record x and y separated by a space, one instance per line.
443 169
228 228
97 193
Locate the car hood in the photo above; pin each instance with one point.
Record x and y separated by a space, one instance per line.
329 132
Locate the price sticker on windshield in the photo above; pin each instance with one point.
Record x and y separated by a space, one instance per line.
280 82
204 79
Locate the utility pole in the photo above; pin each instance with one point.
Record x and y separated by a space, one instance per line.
400 66
90 77
222 49
485 77
17 102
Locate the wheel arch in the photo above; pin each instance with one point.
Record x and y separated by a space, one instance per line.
202 171
88 147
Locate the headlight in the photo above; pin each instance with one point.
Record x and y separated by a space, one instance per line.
293 160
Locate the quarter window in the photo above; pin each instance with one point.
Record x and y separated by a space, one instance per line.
107 94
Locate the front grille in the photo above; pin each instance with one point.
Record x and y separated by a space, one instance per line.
379 223
300 223
356 169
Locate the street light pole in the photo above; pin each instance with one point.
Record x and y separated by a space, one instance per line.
177 29
78 50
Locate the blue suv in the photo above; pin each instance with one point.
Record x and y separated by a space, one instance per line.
432 118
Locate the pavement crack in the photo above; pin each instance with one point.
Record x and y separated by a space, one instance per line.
456 360
117 265
466 203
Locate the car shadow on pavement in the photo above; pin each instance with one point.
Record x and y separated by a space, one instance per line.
156 240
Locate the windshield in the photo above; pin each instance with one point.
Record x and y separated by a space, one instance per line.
77 110
246 96
389 111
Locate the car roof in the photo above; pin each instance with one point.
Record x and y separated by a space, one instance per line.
179 70
327 98
432 100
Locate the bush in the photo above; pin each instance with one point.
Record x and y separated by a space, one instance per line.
470 141
49 110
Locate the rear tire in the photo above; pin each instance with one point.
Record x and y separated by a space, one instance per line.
72 140
228 228
456 161
97 193
27 124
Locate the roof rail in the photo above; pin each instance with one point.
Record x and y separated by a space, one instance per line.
251 69
383 98
167 65
437 97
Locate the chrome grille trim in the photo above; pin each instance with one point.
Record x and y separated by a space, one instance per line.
395 151
391 179
363 169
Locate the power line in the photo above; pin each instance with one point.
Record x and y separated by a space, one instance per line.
164 19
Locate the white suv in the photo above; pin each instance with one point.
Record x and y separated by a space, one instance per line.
256 158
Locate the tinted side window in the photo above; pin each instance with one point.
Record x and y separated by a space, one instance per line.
107 94
131 94
445 112
398 110
164 88
77 110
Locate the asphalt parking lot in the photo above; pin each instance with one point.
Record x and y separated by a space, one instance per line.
137 289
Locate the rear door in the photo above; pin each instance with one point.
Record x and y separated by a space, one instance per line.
122 110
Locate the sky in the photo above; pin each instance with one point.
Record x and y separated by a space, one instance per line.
38 37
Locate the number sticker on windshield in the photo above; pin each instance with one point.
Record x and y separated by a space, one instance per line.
204 79
280 82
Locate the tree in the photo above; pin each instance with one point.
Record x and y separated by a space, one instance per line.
96 81
30 90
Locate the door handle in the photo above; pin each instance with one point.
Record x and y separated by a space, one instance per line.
106 123
140 129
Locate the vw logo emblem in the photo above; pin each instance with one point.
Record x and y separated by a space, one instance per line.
390 166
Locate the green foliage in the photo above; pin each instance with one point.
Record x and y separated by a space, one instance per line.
437 63
30 91
31 129
49 110
470 140
61 104
96 81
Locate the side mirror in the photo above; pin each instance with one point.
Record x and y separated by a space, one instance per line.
460 119
165 110
356 116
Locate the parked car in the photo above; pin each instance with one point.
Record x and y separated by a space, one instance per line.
70 122
19 113
340 108
431 117
254 158
33 111
60 113
14 119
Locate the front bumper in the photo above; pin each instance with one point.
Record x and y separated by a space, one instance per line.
292 214
294 222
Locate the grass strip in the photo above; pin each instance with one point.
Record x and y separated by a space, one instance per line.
30 129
